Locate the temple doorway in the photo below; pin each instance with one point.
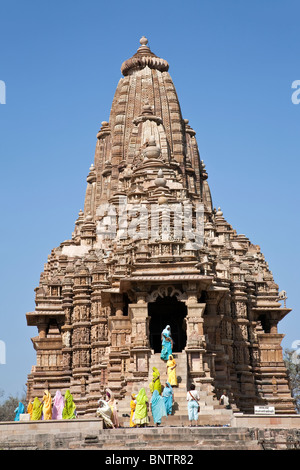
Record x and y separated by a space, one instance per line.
167 311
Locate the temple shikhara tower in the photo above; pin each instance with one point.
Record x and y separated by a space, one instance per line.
150 250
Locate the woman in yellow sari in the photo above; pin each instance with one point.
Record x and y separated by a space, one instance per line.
132 407
155 384
30 409
171 371
47 407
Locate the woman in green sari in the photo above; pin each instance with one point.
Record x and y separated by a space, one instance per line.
37 409
155 384
69 411
141 417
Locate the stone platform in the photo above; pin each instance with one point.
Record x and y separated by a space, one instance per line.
88 434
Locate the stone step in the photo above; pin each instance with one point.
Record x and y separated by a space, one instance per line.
181 369
202 434
180 359
171 438
161 365
182 420
88 434
207 415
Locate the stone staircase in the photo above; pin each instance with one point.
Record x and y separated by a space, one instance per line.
169 438
211 413
88 434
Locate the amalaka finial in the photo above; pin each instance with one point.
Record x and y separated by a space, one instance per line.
144 57
143 41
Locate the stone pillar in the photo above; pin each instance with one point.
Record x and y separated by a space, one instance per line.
140 346
66 329
99 337
215 354
42 327
195 346
81 348
120 333
245 388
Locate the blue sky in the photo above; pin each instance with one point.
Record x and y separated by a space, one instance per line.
232 63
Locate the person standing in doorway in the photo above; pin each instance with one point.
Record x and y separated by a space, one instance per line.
166 343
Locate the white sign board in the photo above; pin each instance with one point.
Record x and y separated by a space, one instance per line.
264 410
24 417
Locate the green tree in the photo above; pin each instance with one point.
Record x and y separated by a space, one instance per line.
292 362
8 406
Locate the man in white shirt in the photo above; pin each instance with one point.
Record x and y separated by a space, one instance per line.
224 400
192 397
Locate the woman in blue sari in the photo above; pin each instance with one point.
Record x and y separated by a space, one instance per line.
19 410
167 343
168 397
158 407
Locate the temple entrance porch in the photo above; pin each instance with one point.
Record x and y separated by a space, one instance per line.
167 311
135 327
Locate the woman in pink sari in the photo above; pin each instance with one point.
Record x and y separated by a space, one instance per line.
57 406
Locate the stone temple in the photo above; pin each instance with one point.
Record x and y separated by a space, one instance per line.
150 250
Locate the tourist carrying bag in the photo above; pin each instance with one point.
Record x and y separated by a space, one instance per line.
195 400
